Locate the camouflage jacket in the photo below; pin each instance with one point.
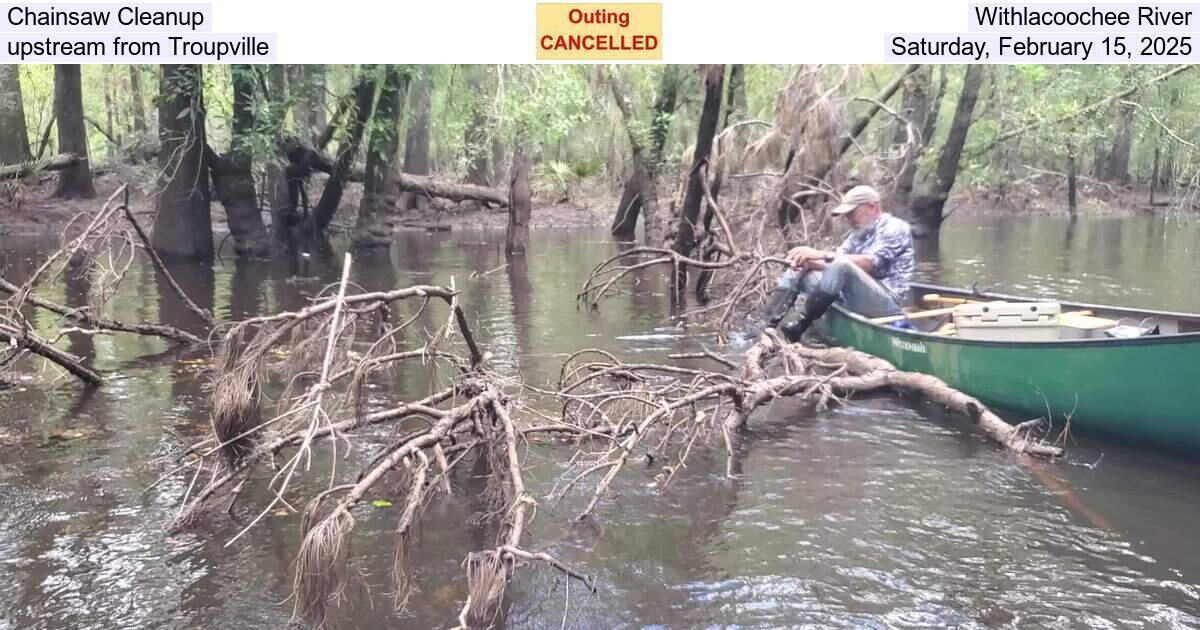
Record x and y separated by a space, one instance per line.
889 242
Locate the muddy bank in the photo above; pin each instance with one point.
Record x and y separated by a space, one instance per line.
40 214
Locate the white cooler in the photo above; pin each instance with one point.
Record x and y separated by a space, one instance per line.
1007 321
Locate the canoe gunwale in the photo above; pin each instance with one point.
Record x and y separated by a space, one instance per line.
957 292
1148 340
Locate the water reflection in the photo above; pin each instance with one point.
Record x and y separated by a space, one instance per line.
880 514
1129 261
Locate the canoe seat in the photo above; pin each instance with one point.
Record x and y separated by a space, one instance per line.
1083 325
1084 320
945 330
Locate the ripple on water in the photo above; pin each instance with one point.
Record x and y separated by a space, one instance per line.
876 514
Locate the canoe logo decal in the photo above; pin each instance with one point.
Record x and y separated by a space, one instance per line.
910 346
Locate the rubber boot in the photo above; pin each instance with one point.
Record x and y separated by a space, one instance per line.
779 302
814 307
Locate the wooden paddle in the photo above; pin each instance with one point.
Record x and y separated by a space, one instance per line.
919 315
941 299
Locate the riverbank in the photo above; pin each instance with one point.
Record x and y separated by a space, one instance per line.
1045 192
40 214
589 205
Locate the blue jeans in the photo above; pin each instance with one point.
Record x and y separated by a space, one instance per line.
855 288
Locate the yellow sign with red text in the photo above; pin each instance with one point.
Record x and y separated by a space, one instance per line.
598 31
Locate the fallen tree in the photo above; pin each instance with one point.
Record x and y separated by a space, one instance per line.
90 322
33 167
469 416
424 185
662 413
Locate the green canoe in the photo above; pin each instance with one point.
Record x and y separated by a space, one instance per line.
1137 389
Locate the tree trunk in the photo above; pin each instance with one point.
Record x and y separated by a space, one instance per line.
624 227
935 108
1072 201
110 114
232 177
382 152
74 182
736 108
645 175
927 204
1154 173
917 105
476 132
1117 168
14 136
276 194
1156 169
645 169
498 154
416 142
519 204
1098 159
331 197
316 80
1166 168
308 82
135 95
710 115
183 225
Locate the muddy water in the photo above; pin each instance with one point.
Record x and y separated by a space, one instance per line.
879 514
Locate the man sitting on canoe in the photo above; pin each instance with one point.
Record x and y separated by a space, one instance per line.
869 272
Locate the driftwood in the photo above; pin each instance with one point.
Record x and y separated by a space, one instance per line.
161 267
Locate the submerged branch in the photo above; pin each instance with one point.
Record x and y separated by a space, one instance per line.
675 409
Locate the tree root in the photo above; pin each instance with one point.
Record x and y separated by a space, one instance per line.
470 417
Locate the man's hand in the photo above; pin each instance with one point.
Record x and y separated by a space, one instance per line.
806 258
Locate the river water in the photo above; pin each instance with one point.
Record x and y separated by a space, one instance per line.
877 514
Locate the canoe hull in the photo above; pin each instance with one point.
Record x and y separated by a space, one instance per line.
1137 389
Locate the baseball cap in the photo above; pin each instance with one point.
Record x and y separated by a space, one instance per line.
854 198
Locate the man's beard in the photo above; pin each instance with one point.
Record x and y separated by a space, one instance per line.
860 232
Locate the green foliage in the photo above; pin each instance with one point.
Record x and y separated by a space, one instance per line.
563 176
564 115
557 175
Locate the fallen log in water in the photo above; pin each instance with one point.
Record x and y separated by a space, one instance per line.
82 317
864 373
662 412
18 336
